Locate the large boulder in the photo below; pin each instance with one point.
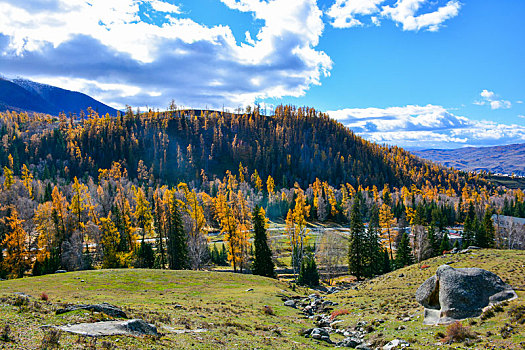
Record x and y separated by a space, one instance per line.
455 294
106 308
134 327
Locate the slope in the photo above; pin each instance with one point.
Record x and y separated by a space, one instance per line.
233 314
508 159
26 95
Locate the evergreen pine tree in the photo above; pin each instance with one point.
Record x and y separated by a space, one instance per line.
308 273
404 254
262 263
469 227
386 264
177 246
445 243
356 244
433 242
488 230
146 255
373 254
224 255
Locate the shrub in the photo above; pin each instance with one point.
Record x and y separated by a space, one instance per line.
107 345
337 313
51 339
5 333
44 296
21 300
308 274
424 267
267 310
517 314
457 333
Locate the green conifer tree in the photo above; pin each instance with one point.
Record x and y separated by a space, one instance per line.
356 244
308 273
177 245
262 263
469 227
488 230
445 243
404 253
373 255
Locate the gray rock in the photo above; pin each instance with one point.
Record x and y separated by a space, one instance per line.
106 308
396 344
363 347
289 303
349 343
100 329
455 294
320 334
22 295
60 271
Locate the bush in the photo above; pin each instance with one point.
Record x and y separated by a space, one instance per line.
5 333
337 313
457 333
51 339
308 274
268 310
517 314
489 313
44 296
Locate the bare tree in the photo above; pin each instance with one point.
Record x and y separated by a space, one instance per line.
331 254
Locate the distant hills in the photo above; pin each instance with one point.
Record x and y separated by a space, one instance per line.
509 159
25 95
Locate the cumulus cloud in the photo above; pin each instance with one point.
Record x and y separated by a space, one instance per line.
426 126
103 46
489 98
345 13
407 13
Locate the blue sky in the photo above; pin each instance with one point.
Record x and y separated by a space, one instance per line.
417 73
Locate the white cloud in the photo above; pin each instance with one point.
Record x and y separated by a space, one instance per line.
426 126
350 13
345 12
104 42
163 6
491 99
521 116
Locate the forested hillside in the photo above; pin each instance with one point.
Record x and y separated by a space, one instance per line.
150 189
293 145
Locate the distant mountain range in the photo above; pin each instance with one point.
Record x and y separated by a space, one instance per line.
506 160
25 95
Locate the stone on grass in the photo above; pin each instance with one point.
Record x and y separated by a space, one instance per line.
349 343
289 303
396 344
106 308
455 294
321 334
134 327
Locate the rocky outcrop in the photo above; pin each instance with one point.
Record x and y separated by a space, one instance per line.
99 329
106 308
455 294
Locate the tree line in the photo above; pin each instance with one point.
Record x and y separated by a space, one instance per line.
67 204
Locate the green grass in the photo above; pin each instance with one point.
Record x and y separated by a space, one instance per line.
391 298
233 316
